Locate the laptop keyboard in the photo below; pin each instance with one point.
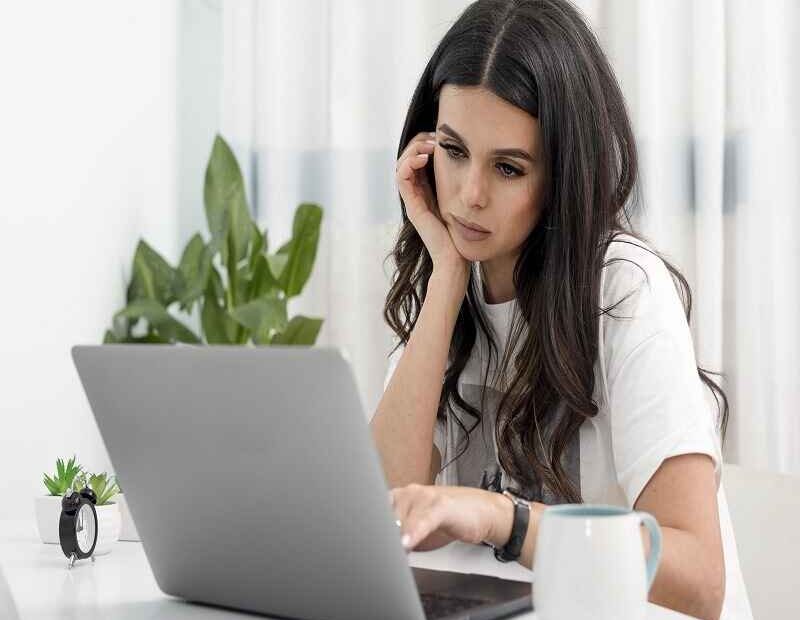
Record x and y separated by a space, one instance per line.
441 605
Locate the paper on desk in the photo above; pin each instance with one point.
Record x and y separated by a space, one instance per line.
465 558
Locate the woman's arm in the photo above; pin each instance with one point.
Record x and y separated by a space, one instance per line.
681 495
402 426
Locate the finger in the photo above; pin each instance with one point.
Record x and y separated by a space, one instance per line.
414 503
415 144
407 171
421 522
414 149
400 513
423 149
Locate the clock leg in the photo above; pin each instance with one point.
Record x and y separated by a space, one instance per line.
71 561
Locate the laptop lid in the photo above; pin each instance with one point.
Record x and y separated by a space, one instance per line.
196 435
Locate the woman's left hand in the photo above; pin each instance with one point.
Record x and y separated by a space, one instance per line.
433 516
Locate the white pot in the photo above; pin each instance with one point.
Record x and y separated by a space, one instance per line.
48 512
128 531
109 523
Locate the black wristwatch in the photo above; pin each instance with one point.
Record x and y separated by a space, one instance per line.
522 512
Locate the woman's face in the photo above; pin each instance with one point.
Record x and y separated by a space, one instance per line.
479 186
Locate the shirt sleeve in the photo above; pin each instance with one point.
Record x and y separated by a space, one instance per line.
438 428
658 405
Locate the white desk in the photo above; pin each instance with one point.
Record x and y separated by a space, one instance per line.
120 586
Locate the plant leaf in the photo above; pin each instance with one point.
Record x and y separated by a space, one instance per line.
159 319
62 479
243 284
301 330
104 487
263 281
149 338
152 277
277 264
225 201
215 286
262 315
218 326
260 240
195 266
72 469
121 327
302 249
52 485
258 246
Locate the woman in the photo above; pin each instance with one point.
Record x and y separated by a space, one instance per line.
544 348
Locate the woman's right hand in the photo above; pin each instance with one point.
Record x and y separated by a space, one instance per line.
422 208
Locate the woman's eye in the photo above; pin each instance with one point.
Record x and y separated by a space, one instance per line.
452 151
507 170
512 172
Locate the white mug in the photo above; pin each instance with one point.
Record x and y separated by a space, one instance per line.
589 563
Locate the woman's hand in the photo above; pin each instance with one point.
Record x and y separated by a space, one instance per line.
433 516
422 208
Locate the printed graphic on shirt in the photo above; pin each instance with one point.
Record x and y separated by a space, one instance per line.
479 465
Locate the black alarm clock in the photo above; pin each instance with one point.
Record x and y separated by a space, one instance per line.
77 525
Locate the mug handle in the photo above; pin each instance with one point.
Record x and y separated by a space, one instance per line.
649 521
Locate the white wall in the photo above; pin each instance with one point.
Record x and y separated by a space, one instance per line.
87 166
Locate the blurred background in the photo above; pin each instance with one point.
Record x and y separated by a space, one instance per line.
110 110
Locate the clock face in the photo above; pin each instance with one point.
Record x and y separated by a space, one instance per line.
85 528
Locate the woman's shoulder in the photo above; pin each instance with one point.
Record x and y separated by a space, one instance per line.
636 283
631 263
625 247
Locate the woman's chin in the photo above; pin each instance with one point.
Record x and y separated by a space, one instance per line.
472 251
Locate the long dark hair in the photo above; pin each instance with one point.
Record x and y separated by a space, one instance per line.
541 56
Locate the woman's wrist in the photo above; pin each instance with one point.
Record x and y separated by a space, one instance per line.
501 518
451 279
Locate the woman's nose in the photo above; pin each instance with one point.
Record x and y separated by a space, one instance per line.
475 188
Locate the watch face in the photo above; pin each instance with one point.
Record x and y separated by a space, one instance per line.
85 528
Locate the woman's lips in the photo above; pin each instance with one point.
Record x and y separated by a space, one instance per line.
469 234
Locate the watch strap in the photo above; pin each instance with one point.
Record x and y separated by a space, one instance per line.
519 528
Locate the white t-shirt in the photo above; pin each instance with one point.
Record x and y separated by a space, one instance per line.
645 373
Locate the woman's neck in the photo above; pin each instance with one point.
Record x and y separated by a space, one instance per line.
497 275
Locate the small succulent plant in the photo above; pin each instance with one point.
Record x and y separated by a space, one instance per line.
64 478
71 475
104 486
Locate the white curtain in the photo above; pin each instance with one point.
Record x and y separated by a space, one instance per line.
315 92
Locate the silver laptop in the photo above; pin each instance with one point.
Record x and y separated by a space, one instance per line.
254 484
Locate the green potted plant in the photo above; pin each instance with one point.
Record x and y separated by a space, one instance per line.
48 507
240 289
108 513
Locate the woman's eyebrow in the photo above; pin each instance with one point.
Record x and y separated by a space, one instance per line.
445 128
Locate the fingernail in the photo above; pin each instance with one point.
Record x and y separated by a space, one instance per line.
432 133
431 141
422 154
406 540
